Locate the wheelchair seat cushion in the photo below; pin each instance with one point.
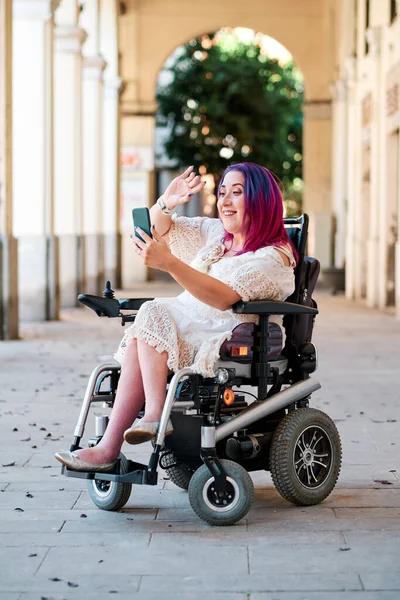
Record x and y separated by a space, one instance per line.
243 337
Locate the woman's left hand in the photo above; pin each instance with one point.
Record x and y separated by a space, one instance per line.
154 251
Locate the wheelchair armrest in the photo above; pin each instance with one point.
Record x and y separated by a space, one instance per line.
103 307
269 307
132 303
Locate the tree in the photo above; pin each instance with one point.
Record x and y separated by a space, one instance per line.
227 102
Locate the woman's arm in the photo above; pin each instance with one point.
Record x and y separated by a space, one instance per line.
156 254
179 191
205 288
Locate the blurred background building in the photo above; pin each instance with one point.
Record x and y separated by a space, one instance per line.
101 102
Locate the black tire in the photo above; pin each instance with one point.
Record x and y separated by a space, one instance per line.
110 495
217 511
301 437
180 473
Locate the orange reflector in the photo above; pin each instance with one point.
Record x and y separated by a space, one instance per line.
229 397
239 351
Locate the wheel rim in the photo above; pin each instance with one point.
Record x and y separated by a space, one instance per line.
313 457
102 488
227 501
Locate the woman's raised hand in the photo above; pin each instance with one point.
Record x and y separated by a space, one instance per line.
182 188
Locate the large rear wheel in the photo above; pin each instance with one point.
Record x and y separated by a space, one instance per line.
179 473
305 456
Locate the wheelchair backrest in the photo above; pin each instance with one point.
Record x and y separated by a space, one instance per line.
299 328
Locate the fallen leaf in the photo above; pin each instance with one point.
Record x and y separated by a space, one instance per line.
71 584
383 481
15 429
8 464
31 555
28 439
83 516
19 509
54 579
28 495
344 549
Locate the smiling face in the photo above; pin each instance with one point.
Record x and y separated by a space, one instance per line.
231 202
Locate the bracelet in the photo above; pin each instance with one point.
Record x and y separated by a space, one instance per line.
164 208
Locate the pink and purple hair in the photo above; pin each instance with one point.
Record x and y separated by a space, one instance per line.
263 208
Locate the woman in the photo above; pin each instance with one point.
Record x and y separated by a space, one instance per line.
243 255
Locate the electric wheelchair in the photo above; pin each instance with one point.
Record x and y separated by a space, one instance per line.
218 436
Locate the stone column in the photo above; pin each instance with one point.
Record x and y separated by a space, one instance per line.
317 178
376 244
92 89
33 218
113 85
93 67
397 246
8 243
353 175
339 166
69 38
111 180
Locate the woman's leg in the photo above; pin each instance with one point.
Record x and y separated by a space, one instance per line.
154 370
128 402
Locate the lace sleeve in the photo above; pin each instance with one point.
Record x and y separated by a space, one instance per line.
251 284
262 277
186 237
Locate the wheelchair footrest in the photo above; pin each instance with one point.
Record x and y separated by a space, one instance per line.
137 474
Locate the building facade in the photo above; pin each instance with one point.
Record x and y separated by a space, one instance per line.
366 150
77 119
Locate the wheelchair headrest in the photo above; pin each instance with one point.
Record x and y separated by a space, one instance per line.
297 230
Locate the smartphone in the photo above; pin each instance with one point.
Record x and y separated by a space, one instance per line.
141 218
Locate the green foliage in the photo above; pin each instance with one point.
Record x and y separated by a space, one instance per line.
228 97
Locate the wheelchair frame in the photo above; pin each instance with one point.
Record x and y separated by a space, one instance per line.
264 373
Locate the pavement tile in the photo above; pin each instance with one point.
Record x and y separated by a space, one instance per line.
72 593
145 497
29 526
239 536
360 595
356 513
385 580
136 560
17 565
233 582
73 540
366 522
100 585
53 484
325 558
382 497
38 501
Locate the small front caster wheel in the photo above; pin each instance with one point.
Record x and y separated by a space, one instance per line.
229 508
305 456
111 495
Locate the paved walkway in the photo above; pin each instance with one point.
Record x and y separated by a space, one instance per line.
56 544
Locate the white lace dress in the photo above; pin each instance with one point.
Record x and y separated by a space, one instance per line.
190 331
